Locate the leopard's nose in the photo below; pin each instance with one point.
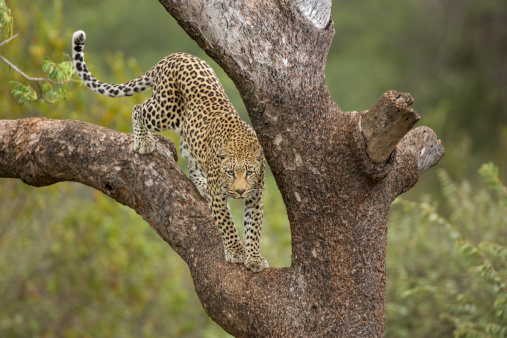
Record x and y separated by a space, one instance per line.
240 191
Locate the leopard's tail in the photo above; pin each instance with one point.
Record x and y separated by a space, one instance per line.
132 87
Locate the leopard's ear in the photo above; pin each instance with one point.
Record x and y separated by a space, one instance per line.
258 154
222 153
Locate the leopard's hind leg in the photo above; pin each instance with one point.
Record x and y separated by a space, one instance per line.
144 143
152 116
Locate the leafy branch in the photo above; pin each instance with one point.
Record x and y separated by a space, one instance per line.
467 248
490 174
58 73
5 17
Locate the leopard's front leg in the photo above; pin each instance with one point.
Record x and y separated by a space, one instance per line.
233 244
254 207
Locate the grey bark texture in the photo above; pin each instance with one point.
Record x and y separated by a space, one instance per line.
338 173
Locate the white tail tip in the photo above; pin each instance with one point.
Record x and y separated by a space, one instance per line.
79 37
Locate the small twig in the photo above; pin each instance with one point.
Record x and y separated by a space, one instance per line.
9 39
41 94
29 78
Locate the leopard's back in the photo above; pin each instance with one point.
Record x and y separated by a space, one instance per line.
188 91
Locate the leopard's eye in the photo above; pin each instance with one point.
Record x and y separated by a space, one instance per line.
230 172
249 172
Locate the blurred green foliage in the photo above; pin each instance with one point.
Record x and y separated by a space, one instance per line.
449 54
87 270
448 274
75 263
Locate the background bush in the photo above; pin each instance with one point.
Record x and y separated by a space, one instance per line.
448 274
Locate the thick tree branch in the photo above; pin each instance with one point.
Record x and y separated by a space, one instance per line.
41 152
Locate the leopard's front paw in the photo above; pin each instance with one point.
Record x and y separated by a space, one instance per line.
144 145
235 255
256 264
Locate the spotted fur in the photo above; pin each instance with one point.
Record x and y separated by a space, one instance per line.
225 157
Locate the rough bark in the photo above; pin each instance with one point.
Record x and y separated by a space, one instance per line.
338 173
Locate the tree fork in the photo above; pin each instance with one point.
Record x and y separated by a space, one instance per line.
338 173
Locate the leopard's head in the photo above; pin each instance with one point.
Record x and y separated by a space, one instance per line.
242 171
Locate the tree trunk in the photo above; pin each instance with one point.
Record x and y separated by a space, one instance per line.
338 173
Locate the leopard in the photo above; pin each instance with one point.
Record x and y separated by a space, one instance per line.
225 158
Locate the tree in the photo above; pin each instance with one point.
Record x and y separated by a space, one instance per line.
338 173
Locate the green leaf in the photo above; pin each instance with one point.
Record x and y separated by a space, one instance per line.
5 17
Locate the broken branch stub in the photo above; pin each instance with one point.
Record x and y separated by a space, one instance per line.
385 124
425 146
